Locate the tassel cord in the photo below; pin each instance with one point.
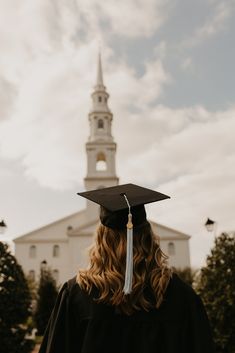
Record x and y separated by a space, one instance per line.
129 261
129 252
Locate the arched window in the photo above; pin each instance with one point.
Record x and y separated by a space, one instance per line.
32 275
56 275
32 251
56 251
171 248
99 99
101 164
100 124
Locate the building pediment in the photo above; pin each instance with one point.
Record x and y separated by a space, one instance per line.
56 230
88 228
167 233
164 232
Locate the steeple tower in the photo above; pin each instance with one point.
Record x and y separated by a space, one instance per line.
100 148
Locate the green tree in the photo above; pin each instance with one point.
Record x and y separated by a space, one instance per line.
15 304
216 285
46 297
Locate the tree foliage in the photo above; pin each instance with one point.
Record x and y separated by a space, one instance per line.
15 304
46 297
216 285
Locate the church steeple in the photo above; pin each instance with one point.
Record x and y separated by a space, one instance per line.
100 148
100 96
99 80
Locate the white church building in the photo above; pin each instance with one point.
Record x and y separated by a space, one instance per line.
63 244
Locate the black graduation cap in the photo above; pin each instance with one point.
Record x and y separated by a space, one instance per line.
112 197
122 207
114 207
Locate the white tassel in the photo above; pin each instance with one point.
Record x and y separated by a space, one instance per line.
129 257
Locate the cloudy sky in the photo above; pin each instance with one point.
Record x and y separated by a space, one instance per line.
169 68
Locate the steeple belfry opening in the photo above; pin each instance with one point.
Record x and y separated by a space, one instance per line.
100 124
100 148
101 164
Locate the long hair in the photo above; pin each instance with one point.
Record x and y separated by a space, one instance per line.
106 270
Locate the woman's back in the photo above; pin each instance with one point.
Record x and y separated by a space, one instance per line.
81 325
127 300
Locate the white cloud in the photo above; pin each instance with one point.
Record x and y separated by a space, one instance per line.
7 96
49 126
160 50
214 23
49 121
133 18
136 92
44 26
49 133
179 142
196 196
187 64
48 67
52 71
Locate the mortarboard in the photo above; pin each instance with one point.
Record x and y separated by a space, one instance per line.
121 207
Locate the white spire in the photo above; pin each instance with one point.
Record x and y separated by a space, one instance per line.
100 95
99 80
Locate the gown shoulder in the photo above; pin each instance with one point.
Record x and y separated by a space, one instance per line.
79 324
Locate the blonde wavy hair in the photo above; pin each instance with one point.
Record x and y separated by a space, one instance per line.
106 270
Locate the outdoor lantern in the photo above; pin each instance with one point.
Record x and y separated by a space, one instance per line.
3 226
43 265
210 225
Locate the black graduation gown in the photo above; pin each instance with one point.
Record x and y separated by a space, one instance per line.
80 325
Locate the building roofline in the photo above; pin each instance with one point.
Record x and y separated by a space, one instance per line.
187 236
48 225
90 223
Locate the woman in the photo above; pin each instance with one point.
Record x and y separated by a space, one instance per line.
124 303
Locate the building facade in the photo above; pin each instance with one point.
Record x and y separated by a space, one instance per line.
64 244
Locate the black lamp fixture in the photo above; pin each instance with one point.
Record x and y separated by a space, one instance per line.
43 265
210 225
3 226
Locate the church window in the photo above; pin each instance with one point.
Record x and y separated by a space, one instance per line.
101 164
100 124
100 99
56 275
171 248
32 251
56 251
32 275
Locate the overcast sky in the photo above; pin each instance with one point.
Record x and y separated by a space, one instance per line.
169 68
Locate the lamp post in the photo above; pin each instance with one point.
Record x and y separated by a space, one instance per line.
3 226
211 226
43 267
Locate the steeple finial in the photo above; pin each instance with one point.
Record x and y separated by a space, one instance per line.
99 81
